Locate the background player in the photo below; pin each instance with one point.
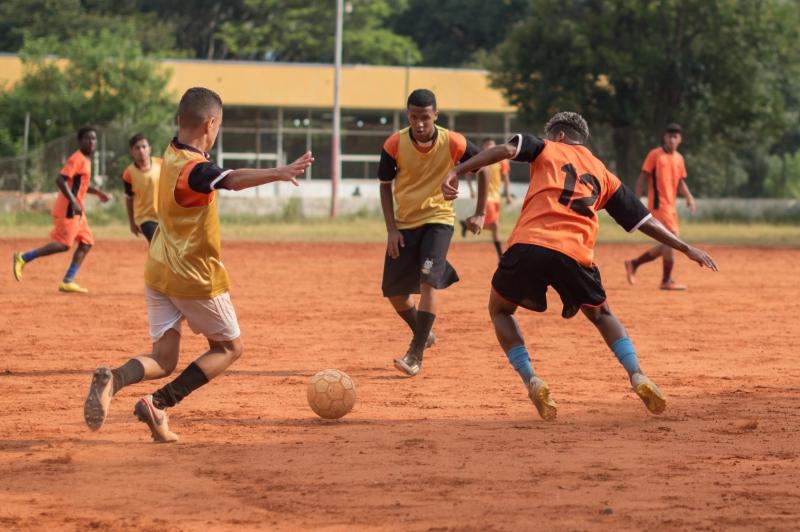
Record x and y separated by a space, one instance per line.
552 244
141 187
69 213
419 221
184 277
664 174
496 173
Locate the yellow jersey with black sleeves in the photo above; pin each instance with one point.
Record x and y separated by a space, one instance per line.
142 187
418 173
496 172
184 260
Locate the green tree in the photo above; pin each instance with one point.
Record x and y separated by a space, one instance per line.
720 67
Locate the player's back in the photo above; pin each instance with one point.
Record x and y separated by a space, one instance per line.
568 185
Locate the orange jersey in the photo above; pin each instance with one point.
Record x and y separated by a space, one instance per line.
568 186
77 172
666 170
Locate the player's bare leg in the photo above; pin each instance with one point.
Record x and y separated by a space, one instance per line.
21 259
107 382
667 283
616 337
495 228
411 362
407 310
648 256
151 409
511 340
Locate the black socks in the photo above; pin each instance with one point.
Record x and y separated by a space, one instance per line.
422 331
410 317
191 379
130 372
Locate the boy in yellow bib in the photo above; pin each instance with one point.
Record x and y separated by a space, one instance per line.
141 187
184 276
419 221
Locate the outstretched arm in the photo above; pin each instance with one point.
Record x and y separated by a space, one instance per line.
484 158
656 230
243 178
683 190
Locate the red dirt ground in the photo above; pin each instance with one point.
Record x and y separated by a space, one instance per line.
458 447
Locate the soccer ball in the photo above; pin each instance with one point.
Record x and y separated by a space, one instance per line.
331 393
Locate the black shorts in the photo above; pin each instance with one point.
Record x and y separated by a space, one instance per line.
148 229
423 259
526 270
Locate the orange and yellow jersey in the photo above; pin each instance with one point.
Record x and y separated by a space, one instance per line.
667 170
142 187
418 173
568 185
185 255
496 173
77 172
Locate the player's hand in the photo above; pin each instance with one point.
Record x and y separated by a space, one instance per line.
77 209
475 223
295 168
702 258
394 243
450 186
135 229
102 196
691 204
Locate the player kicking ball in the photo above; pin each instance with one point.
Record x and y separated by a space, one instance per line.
184 276
553 242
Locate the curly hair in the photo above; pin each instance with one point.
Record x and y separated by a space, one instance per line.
571 124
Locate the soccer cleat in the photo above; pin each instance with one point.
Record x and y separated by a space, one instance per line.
539 392
72 287
463 228
672 285
410 364
630 272
649 393
156 419
18 265
95 408
430 341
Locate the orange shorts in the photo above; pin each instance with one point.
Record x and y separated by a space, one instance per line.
669 219
492 212
68 230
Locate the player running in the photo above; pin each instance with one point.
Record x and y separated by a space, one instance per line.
497 174
419 221
184 276
141 187
553 242
69 214
664 174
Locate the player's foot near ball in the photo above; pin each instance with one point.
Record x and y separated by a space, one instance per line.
410 364
95 408
649 393
72 288
672 285
463 225
156 419
18 265
539 392
630 272
430 341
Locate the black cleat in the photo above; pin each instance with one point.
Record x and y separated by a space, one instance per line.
410 364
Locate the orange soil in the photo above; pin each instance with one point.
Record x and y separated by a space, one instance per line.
458 447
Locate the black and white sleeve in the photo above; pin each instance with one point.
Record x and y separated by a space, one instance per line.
627 210
205 177
528 147
387 167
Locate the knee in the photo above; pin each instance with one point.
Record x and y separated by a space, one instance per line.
597 314
235 351
60 247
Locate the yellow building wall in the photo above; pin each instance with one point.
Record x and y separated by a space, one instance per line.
311 85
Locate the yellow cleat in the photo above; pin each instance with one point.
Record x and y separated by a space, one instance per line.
19 264
539 392
649 393
73 288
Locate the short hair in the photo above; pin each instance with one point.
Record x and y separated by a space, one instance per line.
422 98
136 138
571 124
197 105
82 132
673 128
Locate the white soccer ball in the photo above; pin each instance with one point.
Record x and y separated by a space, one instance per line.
331 393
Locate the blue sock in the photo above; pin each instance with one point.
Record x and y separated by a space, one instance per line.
519 358
30 255
71 273
626 354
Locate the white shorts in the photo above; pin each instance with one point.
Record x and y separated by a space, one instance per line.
213 318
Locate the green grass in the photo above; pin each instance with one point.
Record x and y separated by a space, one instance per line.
111 223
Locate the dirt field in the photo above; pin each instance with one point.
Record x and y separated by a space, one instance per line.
458 447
